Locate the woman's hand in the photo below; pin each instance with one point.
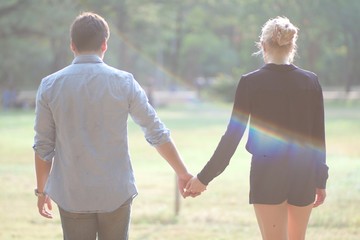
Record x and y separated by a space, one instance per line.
194 187
320 197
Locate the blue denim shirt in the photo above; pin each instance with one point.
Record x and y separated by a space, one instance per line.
81 124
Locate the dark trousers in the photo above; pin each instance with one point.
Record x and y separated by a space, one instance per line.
107 226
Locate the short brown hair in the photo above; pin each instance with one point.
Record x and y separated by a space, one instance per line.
89 31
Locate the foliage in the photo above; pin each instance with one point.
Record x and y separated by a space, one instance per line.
223 86
175 42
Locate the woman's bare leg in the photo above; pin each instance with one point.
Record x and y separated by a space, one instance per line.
272 220
298 218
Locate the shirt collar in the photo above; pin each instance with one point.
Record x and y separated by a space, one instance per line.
87 59
280 67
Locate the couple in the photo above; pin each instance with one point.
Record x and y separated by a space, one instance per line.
81 151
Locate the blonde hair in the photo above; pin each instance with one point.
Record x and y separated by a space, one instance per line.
279 35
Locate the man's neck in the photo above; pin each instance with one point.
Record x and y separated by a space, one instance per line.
97 53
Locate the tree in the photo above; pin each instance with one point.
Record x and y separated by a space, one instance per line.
175 42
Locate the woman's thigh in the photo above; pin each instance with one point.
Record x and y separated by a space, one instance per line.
272 220
298 219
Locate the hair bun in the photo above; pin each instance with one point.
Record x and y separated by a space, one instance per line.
278 37
284 32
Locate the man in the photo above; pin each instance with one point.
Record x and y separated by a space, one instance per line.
81 150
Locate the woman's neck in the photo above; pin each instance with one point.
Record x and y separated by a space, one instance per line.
278 61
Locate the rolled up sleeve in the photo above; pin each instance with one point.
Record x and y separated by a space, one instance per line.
144 115
44 140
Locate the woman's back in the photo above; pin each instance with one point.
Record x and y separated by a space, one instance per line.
285 104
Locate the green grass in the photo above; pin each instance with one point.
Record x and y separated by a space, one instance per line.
221 213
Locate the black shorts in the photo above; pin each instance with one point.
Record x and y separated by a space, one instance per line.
274 180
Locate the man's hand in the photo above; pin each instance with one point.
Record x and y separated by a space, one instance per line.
44 206
182 181
194 187
320 197
42 172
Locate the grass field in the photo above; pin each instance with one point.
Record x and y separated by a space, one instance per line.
221 213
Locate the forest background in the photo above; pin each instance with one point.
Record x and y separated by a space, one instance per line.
187 44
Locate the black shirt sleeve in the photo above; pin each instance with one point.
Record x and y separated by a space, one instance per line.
318 138
230 140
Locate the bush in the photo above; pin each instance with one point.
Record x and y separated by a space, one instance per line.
222 87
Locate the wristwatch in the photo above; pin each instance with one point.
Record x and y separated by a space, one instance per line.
39 194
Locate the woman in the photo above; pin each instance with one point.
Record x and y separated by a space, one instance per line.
284 106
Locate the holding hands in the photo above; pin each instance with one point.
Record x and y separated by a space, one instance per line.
194 187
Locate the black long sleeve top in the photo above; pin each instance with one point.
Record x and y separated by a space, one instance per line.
283 106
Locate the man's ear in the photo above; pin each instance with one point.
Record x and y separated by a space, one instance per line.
73 47
104 46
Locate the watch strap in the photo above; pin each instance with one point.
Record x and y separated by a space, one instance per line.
39 194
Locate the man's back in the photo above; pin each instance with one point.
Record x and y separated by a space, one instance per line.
89 103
